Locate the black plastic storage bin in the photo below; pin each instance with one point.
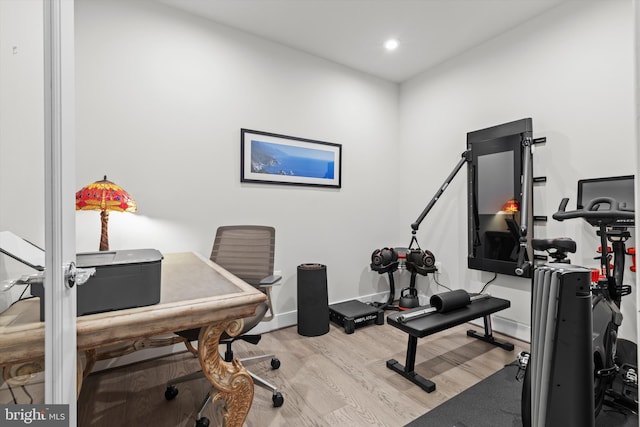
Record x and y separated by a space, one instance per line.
123 279
313 301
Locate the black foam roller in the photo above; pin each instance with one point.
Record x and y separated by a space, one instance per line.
313 301
448 301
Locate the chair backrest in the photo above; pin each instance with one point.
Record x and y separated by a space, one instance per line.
246 251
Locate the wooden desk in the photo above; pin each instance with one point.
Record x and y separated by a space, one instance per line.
195 293
436 322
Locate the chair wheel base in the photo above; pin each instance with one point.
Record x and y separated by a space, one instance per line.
171 392
278 400
275 363
202 422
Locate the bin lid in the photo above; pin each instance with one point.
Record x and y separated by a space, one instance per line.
120 257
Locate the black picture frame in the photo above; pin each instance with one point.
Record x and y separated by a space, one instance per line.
271 158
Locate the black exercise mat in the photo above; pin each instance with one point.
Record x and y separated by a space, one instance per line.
495 402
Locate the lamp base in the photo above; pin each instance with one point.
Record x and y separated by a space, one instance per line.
104 233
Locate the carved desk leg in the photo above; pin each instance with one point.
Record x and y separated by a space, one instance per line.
91 358
22 373
233 383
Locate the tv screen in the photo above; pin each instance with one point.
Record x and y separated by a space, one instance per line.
620 188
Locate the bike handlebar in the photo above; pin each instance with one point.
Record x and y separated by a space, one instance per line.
593 213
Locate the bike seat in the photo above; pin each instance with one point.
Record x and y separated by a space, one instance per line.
563 244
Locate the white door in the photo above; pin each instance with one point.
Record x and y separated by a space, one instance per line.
37 169
59 190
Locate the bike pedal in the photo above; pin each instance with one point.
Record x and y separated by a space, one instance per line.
607 372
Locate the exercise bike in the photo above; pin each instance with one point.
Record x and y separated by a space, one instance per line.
560 372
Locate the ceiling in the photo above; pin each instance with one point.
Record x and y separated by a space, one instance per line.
352 32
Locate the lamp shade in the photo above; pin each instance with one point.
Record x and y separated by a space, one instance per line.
104 196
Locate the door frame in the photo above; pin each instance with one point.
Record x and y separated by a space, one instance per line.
61 371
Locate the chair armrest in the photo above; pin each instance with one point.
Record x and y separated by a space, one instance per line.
270 281
265 285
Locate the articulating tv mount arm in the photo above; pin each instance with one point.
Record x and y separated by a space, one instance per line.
466 157
524 261
523 265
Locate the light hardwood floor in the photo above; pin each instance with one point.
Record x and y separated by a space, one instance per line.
331 380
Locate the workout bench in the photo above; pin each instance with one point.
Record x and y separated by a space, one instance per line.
436 322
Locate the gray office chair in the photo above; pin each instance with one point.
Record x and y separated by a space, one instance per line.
246 251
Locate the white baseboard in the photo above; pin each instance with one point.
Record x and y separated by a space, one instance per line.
284 320
507 327
499 324
279 321
290 318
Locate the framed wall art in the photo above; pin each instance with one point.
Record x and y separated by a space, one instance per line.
279 159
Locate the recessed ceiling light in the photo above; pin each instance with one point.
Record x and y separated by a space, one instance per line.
391 44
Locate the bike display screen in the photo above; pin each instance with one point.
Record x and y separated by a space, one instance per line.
620 188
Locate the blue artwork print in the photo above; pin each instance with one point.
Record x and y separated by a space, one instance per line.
278 159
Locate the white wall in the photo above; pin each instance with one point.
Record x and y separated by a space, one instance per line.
21 131
571 71
161 98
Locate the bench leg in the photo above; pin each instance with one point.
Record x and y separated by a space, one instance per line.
408 371
488 335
